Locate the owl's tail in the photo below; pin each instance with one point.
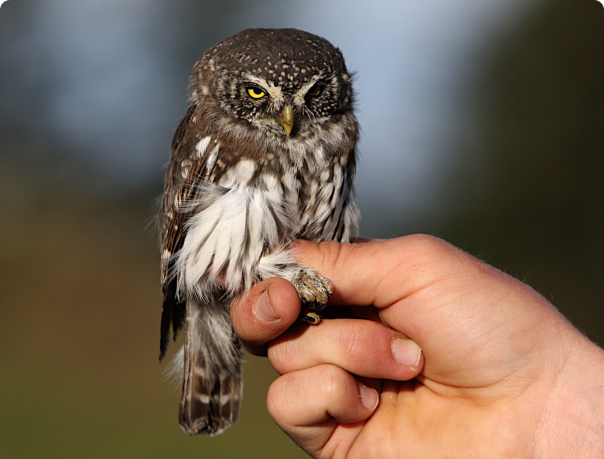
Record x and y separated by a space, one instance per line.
212 369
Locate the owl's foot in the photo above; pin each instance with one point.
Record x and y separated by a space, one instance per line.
314 291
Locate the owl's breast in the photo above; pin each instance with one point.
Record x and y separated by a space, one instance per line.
315 184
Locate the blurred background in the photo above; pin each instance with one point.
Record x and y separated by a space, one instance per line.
483 123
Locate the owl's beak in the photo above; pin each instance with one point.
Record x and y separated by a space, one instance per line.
286 119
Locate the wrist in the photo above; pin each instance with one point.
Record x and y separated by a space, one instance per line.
572 423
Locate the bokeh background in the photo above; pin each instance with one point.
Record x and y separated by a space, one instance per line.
483 123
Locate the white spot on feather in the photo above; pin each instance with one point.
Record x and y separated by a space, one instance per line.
199 371
211 161
202 146
239 175
225 398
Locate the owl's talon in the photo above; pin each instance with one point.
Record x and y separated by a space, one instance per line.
312 318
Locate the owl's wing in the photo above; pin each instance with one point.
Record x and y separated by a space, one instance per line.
188 162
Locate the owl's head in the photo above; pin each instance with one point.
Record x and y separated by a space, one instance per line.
279 81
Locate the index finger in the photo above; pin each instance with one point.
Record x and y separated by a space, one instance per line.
369 273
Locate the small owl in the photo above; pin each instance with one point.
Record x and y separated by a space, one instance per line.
265 154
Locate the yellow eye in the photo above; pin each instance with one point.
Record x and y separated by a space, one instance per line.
315 90
256 93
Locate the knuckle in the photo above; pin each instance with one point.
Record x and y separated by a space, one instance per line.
282 355
425 252
333 252
351 338
363 345
334 382
426 245
278 398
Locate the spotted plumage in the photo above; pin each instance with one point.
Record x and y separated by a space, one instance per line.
266 153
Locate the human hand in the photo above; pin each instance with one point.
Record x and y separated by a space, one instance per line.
501 373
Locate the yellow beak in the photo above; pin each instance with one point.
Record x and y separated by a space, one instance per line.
286 119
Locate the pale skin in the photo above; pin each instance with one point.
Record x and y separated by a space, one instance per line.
500 372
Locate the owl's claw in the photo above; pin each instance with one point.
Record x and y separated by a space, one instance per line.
312 318
314 291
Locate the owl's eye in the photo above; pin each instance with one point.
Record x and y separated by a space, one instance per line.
256 93
315 90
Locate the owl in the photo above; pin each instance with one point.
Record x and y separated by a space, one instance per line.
265 154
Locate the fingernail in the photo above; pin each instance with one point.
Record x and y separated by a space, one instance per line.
369 397
264 310
406 352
